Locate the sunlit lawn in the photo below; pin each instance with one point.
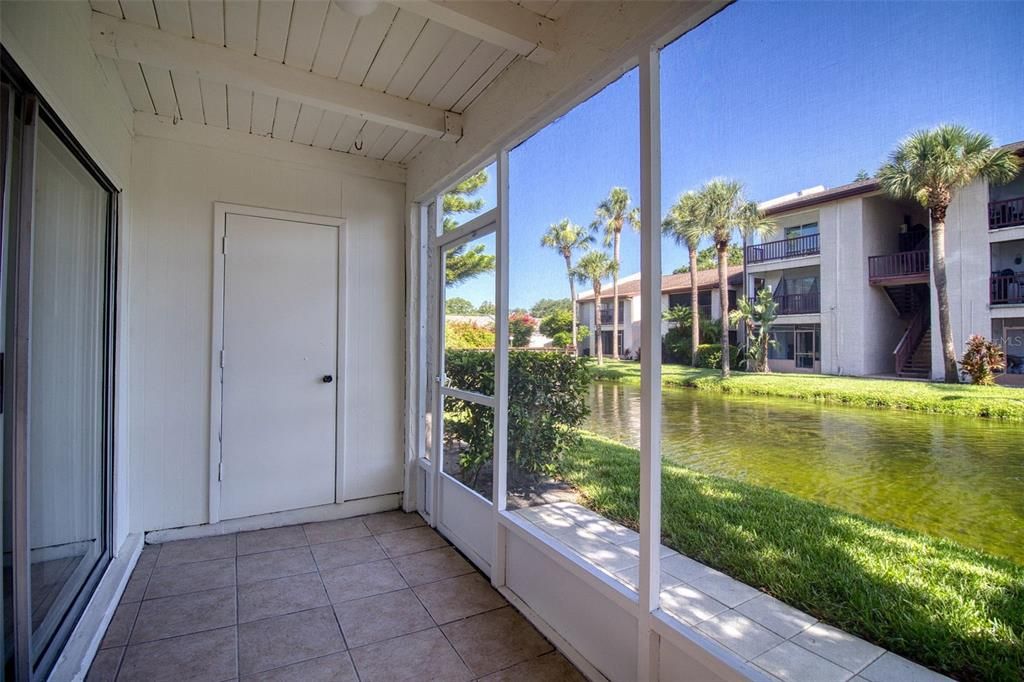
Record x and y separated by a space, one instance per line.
963 399
946 606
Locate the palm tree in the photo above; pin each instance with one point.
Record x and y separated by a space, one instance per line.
611 216
684 225
929 166
592 268
757 316
723 210
565 237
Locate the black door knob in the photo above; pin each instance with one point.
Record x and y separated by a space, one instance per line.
327 379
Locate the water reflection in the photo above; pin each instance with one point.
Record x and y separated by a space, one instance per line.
947 476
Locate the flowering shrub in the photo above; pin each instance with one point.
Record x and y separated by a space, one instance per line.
982 359
520 329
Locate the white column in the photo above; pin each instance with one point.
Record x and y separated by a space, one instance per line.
500 460
650 363
435 257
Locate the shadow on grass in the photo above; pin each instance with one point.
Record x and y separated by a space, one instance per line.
954 609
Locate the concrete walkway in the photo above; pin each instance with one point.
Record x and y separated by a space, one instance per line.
780 641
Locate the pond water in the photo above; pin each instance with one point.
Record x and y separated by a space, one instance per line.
952 477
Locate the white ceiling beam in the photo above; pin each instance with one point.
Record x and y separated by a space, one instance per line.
503 24
123 40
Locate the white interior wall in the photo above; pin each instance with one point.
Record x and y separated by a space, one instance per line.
175 184
50 42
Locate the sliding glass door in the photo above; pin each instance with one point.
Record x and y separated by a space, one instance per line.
57 401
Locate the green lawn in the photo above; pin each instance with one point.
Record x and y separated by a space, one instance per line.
997 402
949 607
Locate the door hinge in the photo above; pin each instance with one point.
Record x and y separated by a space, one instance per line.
222 358
220 470
224 244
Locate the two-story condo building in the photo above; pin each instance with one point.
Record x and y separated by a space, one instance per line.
675 291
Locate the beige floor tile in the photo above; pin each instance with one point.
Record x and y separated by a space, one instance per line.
199 549
121 624
384 616
432 565
105 664
362 580
741 634
184 614
780 618
455 598
333 668
689 604
347 553
410 541
269 539
553 667
279 596
254 568
729 591
794 664
495 640
147 558
135 590
892 668
852 653
388 522
167 581
282 640
203 656
332 531
425 655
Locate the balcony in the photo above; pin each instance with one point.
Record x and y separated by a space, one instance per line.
908 267
806 245
1006 213
1007 289
797 304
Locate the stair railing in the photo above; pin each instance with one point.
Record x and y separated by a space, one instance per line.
911 338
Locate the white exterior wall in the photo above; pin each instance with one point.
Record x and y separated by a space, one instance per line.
50 42
175 184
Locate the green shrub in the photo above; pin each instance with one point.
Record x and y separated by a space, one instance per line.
561 339
710 355
547 404
468 335
557 322
677 346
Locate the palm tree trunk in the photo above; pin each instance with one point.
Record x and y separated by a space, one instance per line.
572 302
723 296
615 302
952 375
597 324
694 307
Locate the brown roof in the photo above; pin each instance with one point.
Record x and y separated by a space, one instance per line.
670 284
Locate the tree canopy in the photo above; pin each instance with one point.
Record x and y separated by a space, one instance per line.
707 258
459 306
548 306
465 262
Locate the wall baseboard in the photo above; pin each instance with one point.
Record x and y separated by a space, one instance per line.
327 512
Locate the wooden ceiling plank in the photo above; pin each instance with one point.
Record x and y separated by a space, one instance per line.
215 103
393 51
499 65
272 33
416 150
135 86
366 41
403 147
475 66
132 42
263 108
239 109
190 99
161 90
444 67
304 35
366 138
334 41
330 124
346 136
109 7
140 12
428 46
387 140
307 124
240 20
174 16
284 119
208 21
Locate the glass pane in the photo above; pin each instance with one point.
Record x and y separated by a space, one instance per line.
67 383
468 314
470 197
469 444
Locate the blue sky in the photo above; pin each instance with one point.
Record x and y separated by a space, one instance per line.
782 96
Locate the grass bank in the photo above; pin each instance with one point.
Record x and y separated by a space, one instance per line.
946 606
997 402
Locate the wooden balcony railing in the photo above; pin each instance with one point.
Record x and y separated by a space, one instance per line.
896 266
796 304
1005 213
784 248
1006 289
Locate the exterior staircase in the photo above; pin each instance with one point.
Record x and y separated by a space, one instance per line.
919 364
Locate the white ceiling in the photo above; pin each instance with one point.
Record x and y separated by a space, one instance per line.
392 51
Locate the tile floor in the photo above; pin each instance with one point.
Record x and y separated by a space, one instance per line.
379 597
778 640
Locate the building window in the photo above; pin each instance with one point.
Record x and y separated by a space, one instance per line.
801 230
